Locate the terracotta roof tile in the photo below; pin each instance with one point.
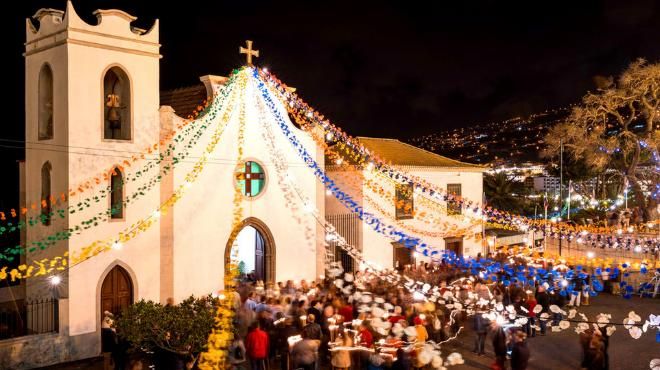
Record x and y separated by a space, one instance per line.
399 153
184 100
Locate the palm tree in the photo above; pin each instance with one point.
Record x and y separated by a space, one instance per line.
503 192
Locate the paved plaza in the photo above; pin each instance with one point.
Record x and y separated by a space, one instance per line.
561 350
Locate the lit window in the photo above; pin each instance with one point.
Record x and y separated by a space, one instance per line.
250 178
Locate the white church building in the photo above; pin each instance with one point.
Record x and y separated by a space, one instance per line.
93 102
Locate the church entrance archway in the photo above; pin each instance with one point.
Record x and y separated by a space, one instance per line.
252 244
116 291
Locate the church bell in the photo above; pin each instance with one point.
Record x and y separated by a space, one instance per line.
114 116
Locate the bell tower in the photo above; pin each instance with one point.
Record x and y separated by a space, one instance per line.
91 103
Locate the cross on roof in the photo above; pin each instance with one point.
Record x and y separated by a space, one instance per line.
248 51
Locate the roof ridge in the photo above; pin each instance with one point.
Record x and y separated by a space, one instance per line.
184 87
438 155
452 161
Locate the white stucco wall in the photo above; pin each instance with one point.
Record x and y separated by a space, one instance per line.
39 152
203 219
378 248
79 59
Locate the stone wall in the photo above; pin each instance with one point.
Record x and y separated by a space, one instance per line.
34 351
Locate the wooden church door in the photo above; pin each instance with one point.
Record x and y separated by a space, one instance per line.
402 256
116 291
259 257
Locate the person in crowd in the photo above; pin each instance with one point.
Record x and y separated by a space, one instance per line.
111 342
584 340
251 302
304 354
556 298
498 294
297 311
366 338
499 347
403 361
108 333
480 326
284 330
518 305
543 300
244 319
594 357
304 286
435 325
312 330
328 310
507 297
236 353
262 305
257 347
341 358
397 316
530 304
605 276
289 288
578 285
346 311
274 327
586 288
422 334
520 352
315 308
275 305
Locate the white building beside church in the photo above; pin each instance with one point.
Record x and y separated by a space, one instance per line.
459 178
93 101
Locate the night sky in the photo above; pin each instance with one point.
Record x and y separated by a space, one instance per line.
383 69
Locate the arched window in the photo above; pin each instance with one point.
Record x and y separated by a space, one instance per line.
46 206
116 105
45 103
116 194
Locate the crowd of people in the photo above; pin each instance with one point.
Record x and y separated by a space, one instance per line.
313 325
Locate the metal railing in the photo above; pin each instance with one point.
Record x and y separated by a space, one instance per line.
348 226
28 318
